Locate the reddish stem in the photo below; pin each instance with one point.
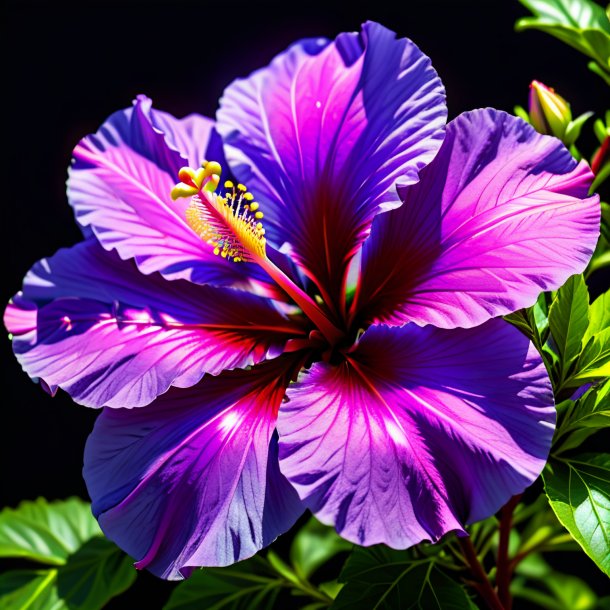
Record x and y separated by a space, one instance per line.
483 585
600 156
504 568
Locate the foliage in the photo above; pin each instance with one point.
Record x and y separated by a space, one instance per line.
73 567
86 569
582 24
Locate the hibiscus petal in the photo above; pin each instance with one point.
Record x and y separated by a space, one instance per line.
192 480
325 133
120 182
420 431
500 215
93 325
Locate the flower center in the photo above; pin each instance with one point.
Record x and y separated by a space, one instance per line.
230 223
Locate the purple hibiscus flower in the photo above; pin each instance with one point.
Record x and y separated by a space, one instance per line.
329 339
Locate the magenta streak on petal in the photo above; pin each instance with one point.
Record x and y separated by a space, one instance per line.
500 215
420 431
194 480
246 243
111 336
325 134
119 184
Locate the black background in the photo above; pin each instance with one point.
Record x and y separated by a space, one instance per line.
68 65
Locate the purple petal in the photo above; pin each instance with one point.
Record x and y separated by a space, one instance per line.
192 480
420 431
120 182
93 325
499 216
325 133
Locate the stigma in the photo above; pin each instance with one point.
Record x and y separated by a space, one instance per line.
230 222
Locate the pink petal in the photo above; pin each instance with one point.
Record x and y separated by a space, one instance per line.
119 185
499 216
93 325
323 136
192 480
418 431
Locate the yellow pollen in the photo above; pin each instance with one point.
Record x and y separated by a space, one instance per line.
226 221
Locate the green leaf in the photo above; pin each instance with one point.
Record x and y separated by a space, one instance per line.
577 420
582 24
595 68
314 545
242 586
379 578
574 128
594 362
533 321
599 316
90 569
93 575
568 320
521 112
601 130
579 493
46 531
566 591
30 590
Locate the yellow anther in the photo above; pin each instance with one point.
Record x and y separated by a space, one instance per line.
186 175
212 167
227 222
212 183
183 190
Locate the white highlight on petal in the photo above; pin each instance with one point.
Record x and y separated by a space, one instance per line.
397 434
228 422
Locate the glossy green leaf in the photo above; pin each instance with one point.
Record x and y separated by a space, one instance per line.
379 578
314 545
97 572
582 24
605 222
574 128
561 592
577 420
568 320
30 590
579 493
533 321
599 316
601 130
47 532
594 362
243 586
89 570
